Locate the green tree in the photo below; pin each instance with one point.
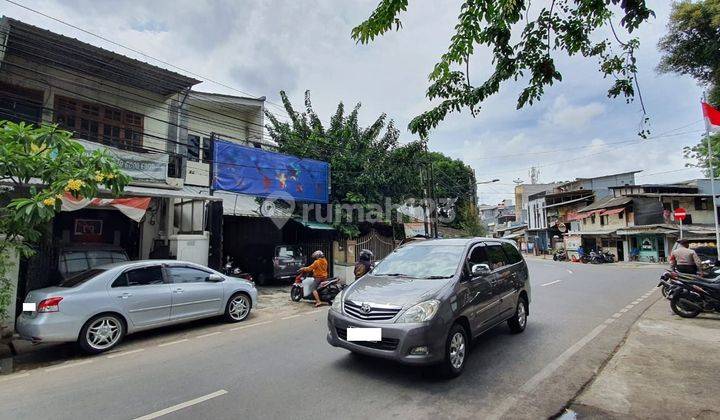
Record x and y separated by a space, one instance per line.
692 47
368 164
38 165
521 47
692 44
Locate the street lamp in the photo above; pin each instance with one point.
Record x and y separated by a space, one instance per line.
488 182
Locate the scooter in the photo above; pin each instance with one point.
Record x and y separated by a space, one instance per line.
691 297
560 255
234 271
327 289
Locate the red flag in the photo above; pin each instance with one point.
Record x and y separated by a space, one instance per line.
712 117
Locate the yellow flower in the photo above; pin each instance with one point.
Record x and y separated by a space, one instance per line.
59 196
74 185
99 177
50 201
109 176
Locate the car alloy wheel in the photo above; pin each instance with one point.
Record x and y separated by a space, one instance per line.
457 350
239 307
521 314
104 333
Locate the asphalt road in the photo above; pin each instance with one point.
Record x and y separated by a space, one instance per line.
277 364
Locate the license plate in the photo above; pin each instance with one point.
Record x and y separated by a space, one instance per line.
364 334
29 307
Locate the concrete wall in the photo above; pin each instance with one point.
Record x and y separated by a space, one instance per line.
688 203
612 222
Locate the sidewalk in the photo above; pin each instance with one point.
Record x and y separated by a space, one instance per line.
666 369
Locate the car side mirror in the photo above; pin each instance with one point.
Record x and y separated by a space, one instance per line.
215 278
480 270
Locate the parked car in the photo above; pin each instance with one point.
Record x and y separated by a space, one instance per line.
425 302
74 259
98 307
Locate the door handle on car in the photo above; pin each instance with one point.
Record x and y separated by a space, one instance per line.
178 290
125 295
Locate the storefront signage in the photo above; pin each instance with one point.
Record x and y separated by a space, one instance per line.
88 227
253 171
647 245
149 167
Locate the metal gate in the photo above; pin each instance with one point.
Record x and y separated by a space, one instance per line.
308 247
380 246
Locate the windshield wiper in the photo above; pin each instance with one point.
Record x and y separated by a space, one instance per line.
392 275
437 277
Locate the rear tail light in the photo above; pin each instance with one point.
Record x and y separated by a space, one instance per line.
49 305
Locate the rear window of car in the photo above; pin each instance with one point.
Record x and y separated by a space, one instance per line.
72 262
81 278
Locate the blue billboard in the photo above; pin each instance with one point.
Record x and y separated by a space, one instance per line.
253 171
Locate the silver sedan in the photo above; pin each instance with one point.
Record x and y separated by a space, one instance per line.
98 307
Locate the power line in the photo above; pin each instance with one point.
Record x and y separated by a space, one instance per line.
147 56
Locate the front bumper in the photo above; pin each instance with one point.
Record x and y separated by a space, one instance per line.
397 339
47 327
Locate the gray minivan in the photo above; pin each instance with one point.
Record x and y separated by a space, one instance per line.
425 302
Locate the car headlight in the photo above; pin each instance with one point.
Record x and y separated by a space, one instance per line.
423 311
337 303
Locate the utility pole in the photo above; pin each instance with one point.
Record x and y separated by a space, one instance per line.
424 202
431 190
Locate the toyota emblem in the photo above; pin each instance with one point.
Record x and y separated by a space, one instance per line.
365 308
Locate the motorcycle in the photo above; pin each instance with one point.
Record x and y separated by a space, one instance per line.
560 255
327 289
693 296
234 271
607 256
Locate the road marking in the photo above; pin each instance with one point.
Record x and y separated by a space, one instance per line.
316 311
209 334
68 365
182 405
630 306
248 326
552 282
636 301
569 271
610 321
623 310
292 316
14 376
173 342
545 372
125 353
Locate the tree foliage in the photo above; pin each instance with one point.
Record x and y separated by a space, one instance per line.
521 47
38 165
692 47
368 164
692 44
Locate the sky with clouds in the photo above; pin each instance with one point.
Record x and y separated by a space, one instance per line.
262 47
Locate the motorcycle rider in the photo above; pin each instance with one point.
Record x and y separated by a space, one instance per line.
364 263
319 270
684 259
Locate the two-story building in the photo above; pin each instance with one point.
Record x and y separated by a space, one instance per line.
144 116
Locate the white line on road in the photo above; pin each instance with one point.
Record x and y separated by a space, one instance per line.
545 372
552 282
617 315
68 365
623 310
292 316
636 301
209 334
173 342
125 353
569 271
182 405
610 321
14 376
248 326
316 311
630 306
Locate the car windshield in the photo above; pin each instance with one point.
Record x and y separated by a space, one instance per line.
421 261
81 277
